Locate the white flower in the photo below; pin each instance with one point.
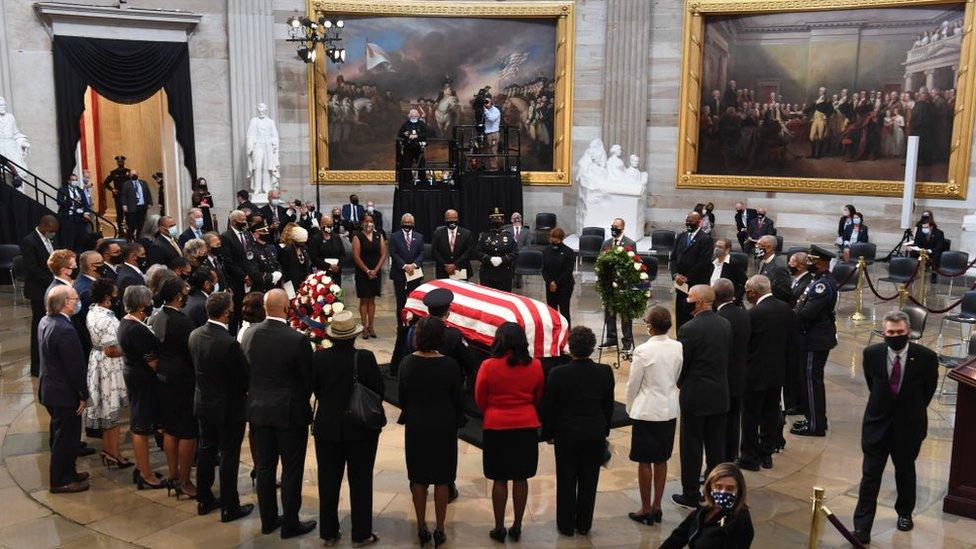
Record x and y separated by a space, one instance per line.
337 307
326 343
305 299
630 254
643 276
637 266
326 309
335 288
614 284
620 248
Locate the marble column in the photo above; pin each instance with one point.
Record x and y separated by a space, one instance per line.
929 79
6 86
625 95
251 45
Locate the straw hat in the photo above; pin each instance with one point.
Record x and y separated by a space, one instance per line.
343 326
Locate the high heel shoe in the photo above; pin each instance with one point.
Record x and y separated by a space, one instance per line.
372 332
173 485
118 462
656 516
439 538
498 534
423 534
646 518
514 533
189 490
143 484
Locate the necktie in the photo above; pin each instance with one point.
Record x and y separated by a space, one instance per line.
352 208
452 235
48 244
407 235
895 379
240 235
517 230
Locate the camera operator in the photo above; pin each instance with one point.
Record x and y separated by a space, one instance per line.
413 139
493 118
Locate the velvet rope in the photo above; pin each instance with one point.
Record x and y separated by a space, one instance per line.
907 283
939 272
839 526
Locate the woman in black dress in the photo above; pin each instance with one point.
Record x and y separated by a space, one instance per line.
140 352
326 248
432 410
369 254
295 262
723 521
177 382
558 264
201 198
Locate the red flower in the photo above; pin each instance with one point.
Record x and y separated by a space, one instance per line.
643 267
329 299
628 249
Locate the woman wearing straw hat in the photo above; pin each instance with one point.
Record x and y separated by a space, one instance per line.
340 442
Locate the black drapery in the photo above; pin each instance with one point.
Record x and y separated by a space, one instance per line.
124 71
427 207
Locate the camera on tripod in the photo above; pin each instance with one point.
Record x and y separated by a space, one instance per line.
478 106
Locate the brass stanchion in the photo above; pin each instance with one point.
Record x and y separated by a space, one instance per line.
923 258
815 520
902 296
858 315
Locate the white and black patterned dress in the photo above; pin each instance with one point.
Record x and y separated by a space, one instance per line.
105 382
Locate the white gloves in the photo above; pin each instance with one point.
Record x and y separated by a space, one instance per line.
275 277
496 261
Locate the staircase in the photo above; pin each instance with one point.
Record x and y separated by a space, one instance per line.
25 197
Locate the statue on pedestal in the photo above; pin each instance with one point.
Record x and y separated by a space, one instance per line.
13 144
608 190
262 153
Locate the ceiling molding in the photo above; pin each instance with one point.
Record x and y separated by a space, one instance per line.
117 21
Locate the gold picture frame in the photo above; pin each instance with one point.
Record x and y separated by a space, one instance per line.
562 11
696 11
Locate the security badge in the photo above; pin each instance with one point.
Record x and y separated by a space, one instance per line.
820 288
250 255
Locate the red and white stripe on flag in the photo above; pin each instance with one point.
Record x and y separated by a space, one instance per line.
478 311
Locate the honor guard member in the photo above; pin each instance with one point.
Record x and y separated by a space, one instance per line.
113 183
497 251
262 260
818 335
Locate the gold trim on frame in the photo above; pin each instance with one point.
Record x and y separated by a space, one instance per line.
694 28
562 10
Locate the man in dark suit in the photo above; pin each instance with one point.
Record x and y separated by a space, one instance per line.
194 227
706 342
901 379
73 213
215 258
352 213
130 272
219 404
738 319
689 262
617 238
63 387
773 266
772 343
451 248
756 229
165 247
202 282
35 248
136 200
742 218
234 242
799 276
275 214
406 254
88 266
521 235
244 202
278 409
730 98
722 267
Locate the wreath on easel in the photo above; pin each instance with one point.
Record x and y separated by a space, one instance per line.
622 281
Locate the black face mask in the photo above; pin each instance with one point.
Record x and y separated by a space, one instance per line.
691 227
240 226
354 201
496 224
555 245
143 263
116 259
452 224
615 232
794 271
897 343
407 228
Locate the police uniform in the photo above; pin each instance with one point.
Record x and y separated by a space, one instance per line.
818 335
262 264
497 243
113 183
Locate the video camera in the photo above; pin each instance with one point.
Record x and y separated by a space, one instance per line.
478 106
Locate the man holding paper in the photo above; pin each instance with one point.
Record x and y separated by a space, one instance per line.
451 248
407 253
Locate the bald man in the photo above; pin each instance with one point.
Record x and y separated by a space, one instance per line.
279 413
706 342
407 254
452 248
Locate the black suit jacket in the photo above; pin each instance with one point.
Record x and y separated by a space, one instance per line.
772 344
899 422
757 230
741 328
187 236
442 254
280 359
706 342
267 212
163 251
64 368
731 272
800 287
129 195
128 277
692 260
235 259
332 371
779 277
221 372
400 255
742 219
862 235
196 307
37 277
321 249
578 403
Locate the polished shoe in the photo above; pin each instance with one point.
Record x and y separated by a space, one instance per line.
82 476
863 537
687 502
747 464
645 518
423 535
240 512
792 412
303 527
86 451
71 488
439 538
608 344
805 432
514 533
373 538
452 492
800 424
204 507
767 462
905 524
268 528
498 534
657 516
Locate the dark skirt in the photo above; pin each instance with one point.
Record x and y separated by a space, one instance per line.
432 455
652 441
176 405
143 392
510 454
366 287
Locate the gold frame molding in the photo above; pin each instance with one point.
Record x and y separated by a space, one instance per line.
692 58
563 11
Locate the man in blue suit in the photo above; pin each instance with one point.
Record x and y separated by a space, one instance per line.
89 264
73 208
352 213
407 253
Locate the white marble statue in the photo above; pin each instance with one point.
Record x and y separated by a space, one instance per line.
13 144
608 190
262 153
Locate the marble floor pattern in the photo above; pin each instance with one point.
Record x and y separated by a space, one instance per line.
114 514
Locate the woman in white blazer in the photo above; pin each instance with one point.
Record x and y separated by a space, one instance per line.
652 402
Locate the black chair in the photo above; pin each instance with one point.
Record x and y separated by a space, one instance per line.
917 318
900 270
779 244
662 242
949 362
599 231
843 273
545 221
529 263
652 267
867 250
428 257
589 247
7 254
966 314
953 263
17 273
740 260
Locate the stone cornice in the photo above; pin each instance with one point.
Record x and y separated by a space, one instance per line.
64 18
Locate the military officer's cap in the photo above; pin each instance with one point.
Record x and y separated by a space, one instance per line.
119 158
496 212
262 226
816 252
438 300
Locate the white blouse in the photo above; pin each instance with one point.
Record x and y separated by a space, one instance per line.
652 388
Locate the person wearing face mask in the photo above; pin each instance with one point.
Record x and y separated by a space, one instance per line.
201 198
773 266
326 249
352 213
263 266
856 232
689 263
901 379
742 218
845 221
722 267
407 254
412 137
706 343
928 237
215 258
165 248
111 258
194 227
276 214
497 252
800 276
756 229
73 213
63 387
132 270
295 260
724 519
203 283
558 264
35 249
136 199
114 182
89 263
617 238
369 252
818 335
452 248
235 242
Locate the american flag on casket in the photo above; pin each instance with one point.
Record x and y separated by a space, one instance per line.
478 311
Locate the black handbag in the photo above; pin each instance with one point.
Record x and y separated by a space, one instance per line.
365 406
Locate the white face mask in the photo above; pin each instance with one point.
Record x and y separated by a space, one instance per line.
414 120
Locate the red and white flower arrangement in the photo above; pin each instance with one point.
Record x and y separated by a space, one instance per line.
318 298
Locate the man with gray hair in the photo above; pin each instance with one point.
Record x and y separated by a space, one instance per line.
406 254
235 241
773 266
901 379
727 307
194 226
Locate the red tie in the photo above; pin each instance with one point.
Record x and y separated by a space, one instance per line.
895 380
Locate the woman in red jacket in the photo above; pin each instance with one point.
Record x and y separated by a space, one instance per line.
508 390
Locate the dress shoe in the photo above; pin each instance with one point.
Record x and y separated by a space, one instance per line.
767 462
863 537
303 527
747 464
687 502
608 344
204 507
71 488
268 528
240 512
805 432
799 424
86 451
792 412
452 492
905 524
82 476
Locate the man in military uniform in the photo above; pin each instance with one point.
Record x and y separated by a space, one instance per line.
821 110
818 335
497 251
262 258
113 184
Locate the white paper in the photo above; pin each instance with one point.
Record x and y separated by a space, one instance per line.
417 273
332 261
289 289
681 287
460 274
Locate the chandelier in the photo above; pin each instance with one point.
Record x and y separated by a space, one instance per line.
309 33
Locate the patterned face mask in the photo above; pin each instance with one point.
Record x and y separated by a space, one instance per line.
725 500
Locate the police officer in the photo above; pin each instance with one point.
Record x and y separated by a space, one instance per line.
113 184
497 251
262 259
818 335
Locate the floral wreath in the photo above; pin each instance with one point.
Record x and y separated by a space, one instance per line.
622 281
311 310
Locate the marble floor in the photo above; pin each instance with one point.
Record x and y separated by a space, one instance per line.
114 514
